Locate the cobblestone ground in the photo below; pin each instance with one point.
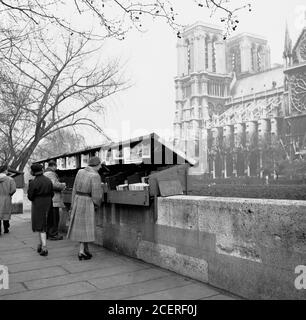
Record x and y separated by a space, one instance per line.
108 275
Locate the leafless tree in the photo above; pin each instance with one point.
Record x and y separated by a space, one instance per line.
57 143
115 17
44 88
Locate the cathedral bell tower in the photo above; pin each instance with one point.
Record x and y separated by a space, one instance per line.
247 54
202 87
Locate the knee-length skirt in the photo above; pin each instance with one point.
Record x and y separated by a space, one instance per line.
82 221
39 213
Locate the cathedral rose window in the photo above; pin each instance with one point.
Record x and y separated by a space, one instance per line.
298 92
302 49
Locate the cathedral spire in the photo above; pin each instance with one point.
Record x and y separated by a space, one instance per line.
287 54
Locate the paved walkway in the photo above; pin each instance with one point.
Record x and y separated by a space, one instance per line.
108 275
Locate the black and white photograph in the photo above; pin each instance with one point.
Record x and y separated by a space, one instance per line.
153 151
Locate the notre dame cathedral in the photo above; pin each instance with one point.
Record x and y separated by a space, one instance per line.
235 113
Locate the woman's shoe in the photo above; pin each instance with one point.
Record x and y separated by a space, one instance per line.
44 252
39 248
88 253
83 256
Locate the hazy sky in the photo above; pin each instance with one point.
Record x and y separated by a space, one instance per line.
151 64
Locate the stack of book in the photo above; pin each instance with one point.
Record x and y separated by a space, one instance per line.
122 187
138 186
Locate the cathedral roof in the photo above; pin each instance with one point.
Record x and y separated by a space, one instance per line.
299 38
259 82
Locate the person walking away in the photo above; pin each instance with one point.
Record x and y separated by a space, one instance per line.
57 202
40 192
7 189
86 196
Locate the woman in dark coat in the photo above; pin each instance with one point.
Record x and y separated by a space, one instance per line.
40 192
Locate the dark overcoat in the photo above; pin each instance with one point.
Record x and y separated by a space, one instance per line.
40 192
86 194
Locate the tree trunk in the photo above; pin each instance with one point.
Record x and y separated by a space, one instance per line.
20 163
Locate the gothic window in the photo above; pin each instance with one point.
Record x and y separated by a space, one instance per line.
188 91
260 59
213 57
233 56
206 53
253 54
191 57
252 57
188 56
235 59
200 113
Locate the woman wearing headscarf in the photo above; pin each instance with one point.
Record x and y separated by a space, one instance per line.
7 189
40 192
86 196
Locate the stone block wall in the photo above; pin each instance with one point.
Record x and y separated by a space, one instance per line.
249 247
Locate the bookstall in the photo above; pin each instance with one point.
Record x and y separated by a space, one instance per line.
134 172
131 170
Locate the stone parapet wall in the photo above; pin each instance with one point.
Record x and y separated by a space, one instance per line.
247 188
249 247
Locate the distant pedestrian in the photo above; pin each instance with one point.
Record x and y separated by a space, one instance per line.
57 202
86 196
7 189
40 192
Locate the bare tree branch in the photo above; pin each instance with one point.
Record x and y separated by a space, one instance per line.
114 17
36 106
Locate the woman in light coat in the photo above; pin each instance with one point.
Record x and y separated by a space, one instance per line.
86 195
7 189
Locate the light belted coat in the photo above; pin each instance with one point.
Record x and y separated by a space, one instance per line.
57 188
82 221
7 189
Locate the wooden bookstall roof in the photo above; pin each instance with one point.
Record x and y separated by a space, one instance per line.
122 144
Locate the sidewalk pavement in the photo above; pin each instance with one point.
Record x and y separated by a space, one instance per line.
107 275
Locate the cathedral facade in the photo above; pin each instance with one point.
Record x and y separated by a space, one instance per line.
235 113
